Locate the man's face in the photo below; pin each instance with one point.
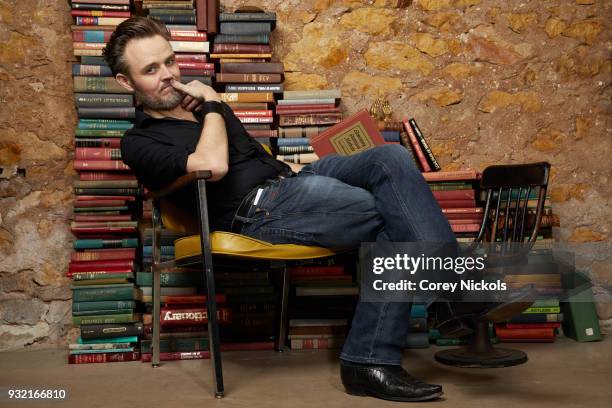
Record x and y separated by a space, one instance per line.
151 68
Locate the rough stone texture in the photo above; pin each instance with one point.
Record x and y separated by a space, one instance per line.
489 82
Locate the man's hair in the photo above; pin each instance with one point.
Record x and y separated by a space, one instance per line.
132 28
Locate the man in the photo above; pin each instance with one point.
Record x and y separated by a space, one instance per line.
335 202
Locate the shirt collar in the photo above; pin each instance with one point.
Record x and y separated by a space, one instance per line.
142 119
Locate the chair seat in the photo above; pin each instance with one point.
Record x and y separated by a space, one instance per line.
230 244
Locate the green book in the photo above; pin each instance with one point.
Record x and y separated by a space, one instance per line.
551 309
580 316
171 279
89 276
120 291
107 319
102 305
101 312
105 243
127 339
98 133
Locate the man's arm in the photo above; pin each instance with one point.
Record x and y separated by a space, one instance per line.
212 151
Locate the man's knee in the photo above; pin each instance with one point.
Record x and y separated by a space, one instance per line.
394 155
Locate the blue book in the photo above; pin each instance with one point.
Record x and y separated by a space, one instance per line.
128 339
294 141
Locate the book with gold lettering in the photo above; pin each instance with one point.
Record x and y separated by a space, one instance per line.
354 134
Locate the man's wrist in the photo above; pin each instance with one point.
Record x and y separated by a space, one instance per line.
212 106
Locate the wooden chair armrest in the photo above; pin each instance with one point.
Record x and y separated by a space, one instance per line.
178 183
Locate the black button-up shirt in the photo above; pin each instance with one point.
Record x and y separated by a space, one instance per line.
157 151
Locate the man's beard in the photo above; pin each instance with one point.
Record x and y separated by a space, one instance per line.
167 102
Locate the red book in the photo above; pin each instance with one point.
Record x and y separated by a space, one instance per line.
466 221
263 133
354 134
196 315
532 325
416 147
465 227
306 278
99 13
88 218
454 194
201 15
463 213
456 203
190 57
99 203
103 357
298 271
197 72
79 36
86 266
180 301
187 35
212 14
104 175
458 175
104 254
195 65
255 119
523 334
97 153
100 165
242 112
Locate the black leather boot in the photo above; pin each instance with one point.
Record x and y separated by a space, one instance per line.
385 381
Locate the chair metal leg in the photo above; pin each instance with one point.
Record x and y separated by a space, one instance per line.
211 305
281 335
156 271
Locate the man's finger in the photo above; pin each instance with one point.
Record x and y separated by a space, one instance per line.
181 87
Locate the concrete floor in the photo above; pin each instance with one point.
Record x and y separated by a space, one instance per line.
564 374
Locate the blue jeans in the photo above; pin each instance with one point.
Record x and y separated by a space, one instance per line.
341 201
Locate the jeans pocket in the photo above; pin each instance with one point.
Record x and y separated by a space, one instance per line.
278 235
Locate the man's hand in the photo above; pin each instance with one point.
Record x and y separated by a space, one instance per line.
196 93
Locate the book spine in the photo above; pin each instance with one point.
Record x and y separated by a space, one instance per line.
103 100
416 147
310 119
99 21
176 317
212 13
201 15
424 145
242 39
247 97
102 175
100 165
105 243
268 16
176 18
103 305
243 28
84 6
241 48
248 78
97 154
276 88
189 57
103 357
190 46
105 254
99 13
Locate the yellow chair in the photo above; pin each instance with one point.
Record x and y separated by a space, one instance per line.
199 249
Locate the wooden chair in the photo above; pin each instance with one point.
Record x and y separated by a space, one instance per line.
199 248
507 187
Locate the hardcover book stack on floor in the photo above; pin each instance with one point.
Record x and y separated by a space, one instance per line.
321 290
189 32
252 299
247 78
455 192
302 116
107 197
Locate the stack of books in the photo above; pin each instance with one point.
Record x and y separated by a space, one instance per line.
317 333
252 300
455 192
537 324
183 320
247 79
302 116
321 289
190 44
418 335
107 196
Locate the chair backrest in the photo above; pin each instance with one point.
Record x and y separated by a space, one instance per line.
514 202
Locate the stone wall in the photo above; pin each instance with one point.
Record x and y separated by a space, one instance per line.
489 81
